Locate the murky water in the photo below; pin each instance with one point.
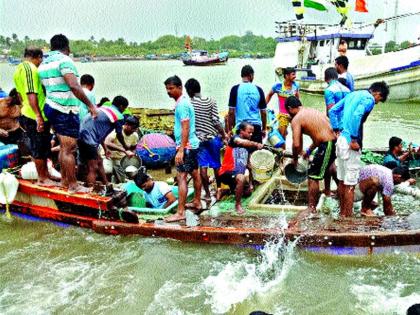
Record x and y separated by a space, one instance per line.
48 269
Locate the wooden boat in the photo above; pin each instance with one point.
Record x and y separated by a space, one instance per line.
349 236
202 58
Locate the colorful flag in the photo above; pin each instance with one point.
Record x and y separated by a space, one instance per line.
316 4
361 6
298 8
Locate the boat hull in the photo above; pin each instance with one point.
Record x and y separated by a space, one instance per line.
404 84
209 62
340 236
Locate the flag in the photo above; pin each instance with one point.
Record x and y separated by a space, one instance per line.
361 6
298 8
319 5
343 9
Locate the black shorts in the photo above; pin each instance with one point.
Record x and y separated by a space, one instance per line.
87 152
38 143
324 157
190 162
257 134
228 178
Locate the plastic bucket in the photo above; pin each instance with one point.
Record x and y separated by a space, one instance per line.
276 139
262 164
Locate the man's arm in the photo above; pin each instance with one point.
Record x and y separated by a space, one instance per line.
362 108
216 120
269 96
185 131
233 98
33 102
77 90
262 105
171 199
247 143
335 114
263 113
388 208
111 145
297 139
329 100
231 118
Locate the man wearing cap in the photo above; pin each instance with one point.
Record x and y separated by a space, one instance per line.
116 149
316 125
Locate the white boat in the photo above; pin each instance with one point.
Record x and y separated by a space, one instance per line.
312 48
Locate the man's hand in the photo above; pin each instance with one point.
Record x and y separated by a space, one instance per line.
179 157
264 133
39 124
354 146
260 146
411 181
3 133
129 153
93 111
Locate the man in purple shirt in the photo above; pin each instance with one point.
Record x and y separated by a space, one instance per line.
379 179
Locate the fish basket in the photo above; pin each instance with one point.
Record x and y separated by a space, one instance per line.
262 164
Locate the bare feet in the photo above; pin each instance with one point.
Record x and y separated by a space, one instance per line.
175 218
78 189
193 205
367 213
47 183
239 209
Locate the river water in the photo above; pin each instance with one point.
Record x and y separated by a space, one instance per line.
50 269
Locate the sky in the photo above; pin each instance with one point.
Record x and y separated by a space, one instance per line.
144 20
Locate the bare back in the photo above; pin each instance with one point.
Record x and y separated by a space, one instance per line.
313 123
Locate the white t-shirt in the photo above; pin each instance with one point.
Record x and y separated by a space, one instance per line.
157 197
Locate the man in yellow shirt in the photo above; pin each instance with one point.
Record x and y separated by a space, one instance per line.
116 149
33 120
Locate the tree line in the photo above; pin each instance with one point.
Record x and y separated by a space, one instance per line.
248 44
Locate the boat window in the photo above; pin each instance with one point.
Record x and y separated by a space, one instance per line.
321 43
358 44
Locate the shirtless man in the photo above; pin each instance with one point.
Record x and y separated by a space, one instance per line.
316 125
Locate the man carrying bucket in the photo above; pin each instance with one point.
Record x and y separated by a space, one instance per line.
316 125
235 162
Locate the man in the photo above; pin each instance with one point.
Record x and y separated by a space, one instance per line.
316 125
379 179
283 90
33 120
158 194
235 163
247 103
208 128
395 155
93 132
10 132
59 76
342 48
334 93
348 116
88 83
341 64
187 148
117 151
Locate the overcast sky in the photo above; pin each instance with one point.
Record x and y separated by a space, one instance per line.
143 20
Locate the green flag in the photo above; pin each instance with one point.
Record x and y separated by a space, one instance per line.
316 4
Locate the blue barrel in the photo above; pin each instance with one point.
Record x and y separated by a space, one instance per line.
9 156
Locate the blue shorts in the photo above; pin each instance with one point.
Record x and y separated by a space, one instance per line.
209 153
62 123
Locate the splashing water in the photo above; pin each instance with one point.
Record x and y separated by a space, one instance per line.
240 280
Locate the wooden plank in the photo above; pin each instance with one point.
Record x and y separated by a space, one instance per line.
55 193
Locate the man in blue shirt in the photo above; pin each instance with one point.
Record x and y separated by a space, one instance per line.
348 116
334 93
341 64
247 103
187 148
395 155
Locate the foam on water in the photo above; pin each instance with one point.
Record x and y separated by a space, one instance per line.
240 280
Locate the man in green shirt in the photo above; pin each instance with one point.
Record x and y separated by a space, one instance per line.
33 119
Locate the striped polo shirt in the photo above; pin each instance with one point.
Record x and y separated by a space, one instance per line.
206 117
52 71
